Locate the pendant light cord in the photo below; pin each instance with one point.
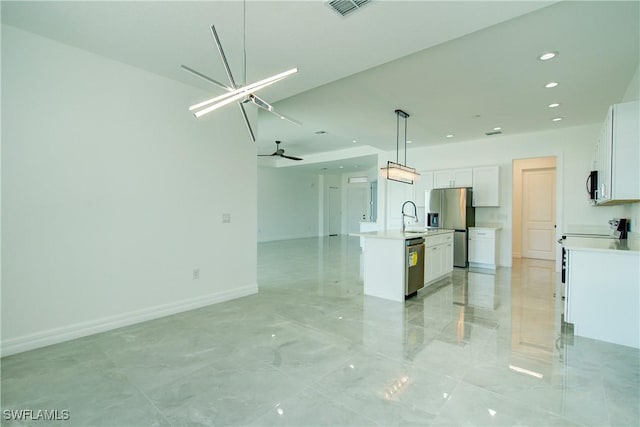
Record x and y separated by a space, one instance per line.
405 141
244 42
397 138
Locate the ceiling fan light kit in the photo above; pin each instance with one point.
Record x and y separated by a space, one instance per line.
396 171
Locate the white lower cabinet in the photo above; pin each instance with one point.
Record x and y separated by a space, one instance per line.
602 295
438 257
482 247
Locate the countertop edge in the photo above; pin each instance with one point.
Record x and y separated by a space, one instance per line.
398 234
611 246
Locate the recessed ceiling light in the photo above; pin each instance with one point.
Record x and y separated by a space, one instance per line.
497 128
556 119
354 141
409 142
554 105
450 135
341 167
547 56
551 84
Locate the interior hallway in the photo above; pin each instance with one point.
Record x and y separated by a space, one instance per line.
310 349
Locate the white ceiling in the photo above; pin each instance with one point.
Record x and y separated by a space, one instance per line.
455 67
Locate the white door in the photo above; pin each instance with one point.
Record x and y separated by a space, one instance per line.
334 211
357 204
539 213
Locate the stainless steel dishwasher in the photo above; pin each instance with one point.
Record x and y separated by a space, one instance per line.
414 266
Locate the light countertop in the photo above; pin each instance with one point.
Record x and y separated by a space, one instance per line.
399 235
486 226
602 245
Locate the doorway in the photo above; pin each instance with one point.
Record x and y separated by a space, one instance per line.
534 208
334 211
357 207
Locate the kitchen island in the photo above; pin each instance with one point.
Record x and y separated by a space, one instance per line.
385 260
602 298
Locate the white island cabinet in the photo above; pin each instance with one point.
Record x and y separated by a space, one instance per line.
602 298
384 266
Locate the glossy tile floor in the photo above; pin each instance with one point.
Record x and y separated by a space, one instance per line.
310 349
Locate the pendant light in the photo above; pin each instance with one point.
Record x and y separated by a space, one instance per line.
238 93
396 171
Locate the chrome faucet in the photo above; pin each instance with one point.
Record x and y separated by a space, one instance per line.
414 216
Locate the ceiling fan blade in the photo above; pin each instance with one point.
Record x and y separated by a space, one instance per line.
266 106
206 78
223 57
246 121
290 157
275 153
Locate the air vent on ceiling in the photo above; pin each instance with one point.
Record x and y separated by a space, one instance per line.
345 7
493 132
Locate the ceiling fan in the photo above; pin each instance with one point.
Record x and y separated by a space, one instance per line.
234 92
279 152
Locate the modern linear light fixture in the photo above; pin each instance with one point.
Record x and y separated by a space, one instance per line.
235 92
396 171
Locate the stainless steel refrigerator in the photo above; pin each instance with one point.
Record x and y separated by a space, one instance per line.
451 208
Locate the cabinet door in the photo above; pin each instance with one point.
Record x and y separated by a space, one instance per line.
604 157
463 177
482 250
436 261
443 179
448 257
397 194
625 152
428 261
424 183
486 186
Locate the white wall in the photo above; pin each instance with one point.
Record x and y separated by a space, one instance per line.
288 204
112 194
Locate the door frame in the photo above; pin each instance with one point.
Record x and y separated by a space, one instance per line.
518 166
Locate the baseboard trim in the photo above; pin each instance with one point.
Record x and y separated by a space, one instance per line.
78 330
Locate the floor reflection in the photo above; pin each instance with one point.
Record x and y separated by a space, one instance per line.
535 330
311 349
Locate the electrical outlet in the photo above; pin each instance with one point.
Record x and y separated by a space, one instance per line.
226 218
196 273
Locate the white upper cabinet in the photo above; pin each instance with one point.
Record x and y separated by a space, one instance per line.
617 154
451 178
424 183
485 181
486 186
